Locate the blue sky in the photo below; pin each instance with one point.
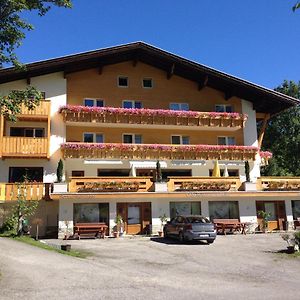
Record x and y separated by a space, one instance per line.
257 40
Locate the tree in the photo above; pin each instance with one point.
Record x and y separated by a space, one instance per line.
296 6
282 137
12 32
59 170
23 209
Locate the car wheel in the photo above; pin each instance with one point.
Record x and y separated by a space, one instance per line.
181 237
166 235
210 241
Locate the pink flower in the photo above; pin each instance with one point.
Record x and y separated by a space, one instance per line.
150 112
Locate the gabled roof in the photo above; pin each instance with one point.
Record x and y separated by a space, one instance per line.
263 99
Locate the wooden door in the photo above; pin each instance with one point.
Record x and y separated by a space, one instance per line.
136 216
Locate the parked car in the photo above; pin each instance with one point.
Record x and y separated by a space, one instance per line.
188 228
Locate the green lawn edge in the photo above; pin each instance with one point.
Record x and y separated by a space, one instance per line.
30 241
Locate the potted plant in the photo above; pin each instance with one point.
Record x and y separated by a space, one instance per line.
118 228
265 218
159 185
248 185
291 242
60 186
163 219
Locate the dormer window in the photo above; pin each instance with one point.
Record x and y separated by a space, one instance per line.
132 104
93 102
122 81
223 108
179 106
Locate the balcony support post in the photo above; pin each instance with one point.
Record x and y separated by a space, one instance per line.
263 129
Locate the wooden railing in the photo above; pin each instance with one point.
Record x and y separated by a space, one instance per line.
109 184
192 184
119 117
24 147
145 151
278 183
42 110
28 191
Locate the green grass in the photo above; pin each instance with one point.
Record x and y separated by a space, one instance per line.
30 241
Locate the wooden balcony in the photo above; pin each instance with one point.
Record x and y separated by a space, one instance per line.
41 112
158 152
14 147
110 115
204 184
30 191
278 183
109 184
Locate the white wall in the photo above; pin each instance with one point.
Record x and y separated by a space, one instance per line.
54 85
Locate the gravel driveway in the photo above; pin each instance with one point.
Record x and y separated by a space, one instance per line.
234 267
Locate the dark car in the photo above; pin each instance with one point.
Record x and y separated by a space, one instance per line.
188 228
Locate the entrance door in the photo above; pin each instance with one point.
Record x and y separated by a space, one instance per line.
276 210
136 216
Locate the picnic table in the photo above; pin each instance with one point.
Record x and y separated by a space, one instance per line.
90 229
222 225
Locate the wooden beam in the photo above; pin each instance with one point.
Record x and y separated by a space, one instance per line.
203 83
171 71
263 129
1 133
28 80
228 95
100 69
260 116
135 61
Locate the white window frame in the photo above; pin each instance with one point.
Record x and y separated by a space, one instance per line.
180 105
132 102
94 136
226 140
94 101
147 78
224 107
123 86
133 137
180 136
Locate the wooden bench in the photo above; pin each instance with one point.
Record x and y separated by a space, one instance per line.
228 224
90 229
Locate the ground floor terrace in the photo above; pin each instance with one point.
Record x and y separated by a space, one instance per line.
141 203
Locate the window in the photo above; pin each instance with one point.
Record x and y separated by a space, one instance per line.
296 209
226 140
77 173
132 138
223 210
179 106
184 208
122 81
180 140
113 172
93 102
231 173
223 108
91 213
19 174
147 83
132 104
93 137
27 132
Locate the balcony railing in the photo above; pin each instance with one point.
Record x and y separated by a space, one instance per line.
28 191
152 117
24 147
279 183
109 184
41 111
194 184
158 152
